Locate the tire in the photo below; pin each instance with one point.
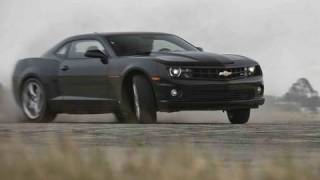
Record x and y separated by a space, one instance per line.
34 104
238 116
144 100
120 116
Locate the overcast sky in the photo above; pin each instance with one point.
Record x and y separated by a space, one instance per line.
283 35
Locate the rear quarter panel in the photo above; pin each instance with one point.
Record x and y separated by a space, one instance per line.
45 70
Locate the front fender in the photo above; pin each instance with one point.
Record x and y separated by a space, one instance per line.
127 69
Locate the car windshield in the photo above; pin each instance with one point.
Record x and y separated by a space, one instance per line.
145 44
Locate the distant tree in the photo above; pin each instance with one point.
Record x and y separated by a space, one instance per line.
302 93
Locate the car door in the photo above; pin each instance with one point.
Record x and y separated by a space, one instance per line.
83 79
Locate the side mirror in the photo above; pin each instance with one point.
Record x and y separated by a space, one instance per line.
95 53
200 49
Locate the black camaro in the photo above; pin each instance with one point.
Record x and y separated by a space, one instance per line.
134 75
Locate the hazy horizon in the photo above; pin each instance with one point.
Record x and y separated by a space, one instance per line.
282 35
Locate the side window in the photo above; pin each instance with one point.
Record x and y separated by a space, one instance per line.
79 48
63 51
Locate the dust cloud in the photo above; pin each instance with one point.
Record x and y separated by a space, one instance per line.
283 35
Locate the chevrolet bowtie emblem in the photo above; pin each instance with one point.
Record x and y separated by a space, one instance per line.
225 73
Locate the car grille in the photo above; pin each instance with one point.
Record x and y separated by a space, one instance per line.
216 73
221 95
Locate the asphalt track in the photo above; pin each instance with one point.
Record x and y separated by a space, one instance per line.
260 139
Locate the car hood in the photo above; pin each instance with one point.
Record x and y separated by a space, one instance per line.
202 59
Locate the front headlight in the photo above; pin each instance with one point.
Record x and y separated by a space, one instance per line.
175 72
253 70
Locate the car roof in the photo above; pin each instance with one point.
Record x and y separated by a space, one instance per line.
132 33
116 33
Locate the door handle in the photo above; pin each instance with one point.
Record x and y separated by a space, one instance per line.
65 68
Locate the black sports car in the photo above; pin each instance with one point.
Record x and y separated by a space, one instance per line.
134 75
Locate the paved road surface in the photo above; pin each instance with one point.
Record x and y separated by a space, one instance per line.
260 139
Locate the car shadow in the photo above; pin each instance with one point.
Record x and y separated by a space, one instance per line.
159 123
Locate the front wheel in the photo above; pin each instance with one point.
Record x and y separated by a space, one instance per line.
238 116
143 100
34 103
120 116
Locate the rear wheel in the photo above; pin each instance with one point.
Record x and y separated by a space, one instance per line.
238 116
34 103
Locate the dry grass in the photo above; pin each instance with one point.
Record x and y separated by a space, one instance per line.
67 161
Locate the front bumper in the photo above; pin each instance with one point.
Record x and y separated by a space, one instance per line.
209 95
172 106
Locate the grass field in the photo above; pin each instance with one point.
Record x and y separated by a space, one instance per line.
65 160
